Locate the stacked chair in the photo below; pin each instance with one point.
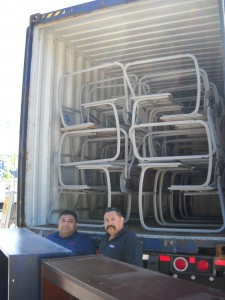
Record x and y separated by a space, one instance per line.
180 144
147 136
93 148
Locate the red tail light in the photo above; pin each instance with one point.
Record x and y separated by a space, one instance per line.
164 258
220 262
192 260
202 265
180 264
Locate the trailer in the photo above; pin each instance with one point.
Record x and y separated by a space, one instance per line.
123 105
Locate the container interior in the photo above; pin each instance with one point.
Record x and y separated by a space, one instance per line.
87 73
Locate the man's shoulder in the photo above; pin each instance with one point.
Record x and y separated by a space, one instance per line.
83 236
53 235
128 233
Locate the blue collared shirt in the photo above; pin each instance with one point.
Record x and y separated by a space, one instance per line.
78 243
125 247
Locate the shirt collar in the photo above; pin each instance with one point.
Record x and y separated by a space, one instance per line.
67 237
120 233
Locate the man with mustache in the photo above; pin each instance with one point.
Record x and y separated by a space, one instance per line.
68 237
119 243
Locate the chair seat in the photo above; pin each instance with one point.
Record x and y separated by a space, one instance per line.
191 188
81 126
182 117
74 187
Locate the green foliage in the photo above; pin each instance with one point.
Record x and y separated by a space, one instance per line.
10 164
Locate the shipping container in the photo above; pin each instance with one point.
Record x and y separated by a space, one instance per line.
123 105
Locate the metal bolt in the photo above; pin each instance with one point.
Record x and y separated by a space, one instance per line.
211 278
193 277
175 276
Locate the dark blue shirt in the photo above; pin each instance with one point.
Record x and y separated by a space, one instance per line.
125 246
78 243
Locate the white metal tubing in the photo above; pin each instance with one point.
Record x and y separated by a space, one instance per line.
205 81
167 58
171 158
167 109
151 135
104 168
158 203
151 99
99 67
91 84
188 230
78 133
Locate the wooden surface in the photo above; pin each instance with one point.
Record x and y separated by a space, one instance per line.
21 252
98 277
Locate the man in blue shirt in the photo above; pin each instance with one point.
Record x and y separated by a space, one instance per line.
120 243
68 237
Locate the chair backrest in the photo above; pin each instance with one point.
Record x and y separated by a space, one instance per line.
70 116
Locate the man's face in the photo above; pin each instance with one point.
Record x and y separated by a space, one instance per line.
113 223
67 225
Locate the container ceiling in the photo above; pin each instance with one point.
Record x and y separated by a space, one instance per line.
148 29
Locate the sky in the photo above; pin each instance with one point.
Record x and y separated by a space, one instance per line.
14 20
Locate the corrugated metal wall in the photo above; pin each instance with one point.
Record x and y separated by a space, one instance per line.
149 29
126 33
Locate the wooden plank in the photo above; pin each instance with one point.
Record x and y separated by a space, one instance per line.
99 277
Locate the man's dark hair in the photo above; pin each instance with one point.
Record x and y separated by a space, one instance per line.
118 212
68 212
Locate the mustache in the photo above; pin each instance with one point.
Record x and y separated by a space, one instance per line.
110 226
